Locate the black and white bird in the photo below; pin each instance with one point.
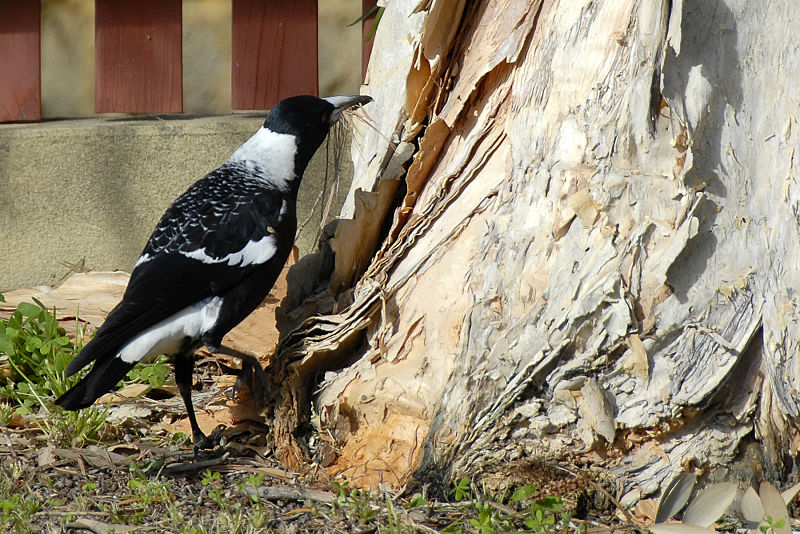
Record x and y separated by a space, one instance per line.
213 256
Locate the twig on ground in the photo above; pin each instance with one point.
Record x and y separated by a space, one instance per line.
186 467
66 513
278 493
98 527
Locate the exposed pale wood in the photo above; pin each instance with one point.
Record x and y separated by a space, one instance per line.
138 65
20 78
596 255
274 51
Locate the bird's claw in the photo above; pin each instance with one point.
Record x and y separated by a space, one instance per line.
210 442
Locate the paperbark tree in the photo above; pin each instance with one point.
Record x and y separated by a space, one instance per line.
573 234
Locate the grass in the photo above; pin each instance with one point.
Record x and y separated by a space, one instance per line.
230 503
471 508
34 353
17 504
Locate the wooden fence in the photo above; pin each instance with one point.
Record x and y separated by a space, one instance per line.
138 55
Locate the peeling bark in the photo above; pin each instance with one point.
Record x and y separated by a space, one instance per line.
595 254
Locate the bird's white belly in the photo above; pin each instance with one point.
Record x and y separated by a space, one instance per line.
167 336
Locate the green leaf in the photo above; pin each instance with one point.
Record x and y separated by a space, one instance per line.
365 16
523 493
15 321
374 27
550 504
29 310
416 501
33 344
6 346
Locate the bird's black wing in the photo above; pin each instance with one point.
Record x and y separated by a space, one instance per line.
214 235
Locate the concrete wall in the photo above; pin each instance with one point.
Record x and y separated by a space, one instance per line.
92 190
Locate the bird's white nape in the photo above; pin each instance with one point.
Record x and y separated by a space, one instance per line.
270 152
167 336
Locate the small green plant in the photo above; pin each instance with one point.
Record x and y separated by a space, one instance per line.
546 516
34 354
417 501
487 513
354 502
210 478
154 373
145 493
215 493
6 413
374 511
248 487
489 520
771 525
361 506
461 489
17 504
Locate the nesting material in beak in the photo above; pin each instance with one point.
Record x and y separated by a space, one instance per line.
342 103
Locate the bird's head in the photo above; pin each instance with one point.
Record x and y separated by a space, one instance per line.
292 132
309 119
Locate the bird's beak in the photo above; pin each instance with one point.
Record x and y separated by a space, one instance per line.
342 103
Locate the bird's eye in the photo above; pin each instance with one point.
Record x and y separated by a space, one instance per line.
326 117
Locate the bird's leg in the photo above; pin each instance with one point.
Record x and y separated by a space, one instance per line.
184 367
251 375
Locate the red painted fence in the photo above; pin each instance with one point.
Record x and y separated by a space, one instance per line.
20 94
138 66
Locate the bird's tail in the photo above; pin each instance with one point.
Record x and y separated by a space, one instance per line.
103 376
90 352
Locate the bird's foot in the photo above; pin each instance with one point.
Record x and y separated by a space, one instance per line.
210 442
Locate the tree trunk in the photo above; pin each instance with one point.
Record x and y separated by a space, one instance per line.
574 236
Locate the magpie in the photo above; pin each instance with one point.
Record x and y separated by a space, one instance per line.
212 258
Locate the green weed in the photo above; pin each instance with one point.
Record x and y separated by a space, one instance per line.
146 494
771 525
34 354
154 373
489 513
6 413
17 505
